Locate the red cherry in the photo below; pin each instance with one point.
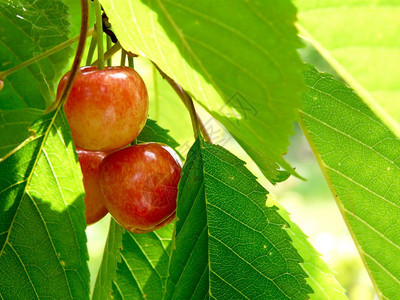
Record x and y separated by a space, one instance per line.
94 200
106 109
140 185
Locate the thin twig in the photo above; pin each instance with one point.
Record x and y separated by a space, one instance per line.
92 47
187 100
78 57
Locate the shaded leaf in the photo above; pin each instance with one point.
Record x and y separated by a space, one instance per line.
245 70
43 250
360 158
228 243
28 28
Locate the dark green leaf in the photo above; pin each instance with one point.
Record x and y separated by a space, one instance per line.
360 158
244 69
43 250
28 28
229 244
143 269
154 133
14 126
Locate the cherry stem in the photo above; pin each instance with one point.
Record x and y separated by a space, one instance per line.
78 56
99 30
45 54
156 97
110 52
123 57
109 60
193 115
187 100
92 47
130 62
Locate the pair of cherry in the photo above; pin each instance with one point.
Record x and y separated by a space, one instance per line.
138 184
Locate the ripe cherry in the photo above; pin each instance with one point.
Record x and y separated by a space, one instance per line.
94 200
106 109
140 185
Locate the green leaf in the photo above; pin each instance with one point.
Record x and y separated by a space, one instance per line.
238 59
108 268
360 159
28 28
43 250
152 132
359 38
14 126
136 266
143 268
320 277
228 243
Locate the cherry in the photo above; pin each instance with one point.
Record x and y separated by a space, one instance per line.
94 200
140 185
106 109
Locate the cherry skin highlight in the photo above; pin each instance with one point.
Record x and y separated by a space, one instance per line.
140 185
94 200
106 109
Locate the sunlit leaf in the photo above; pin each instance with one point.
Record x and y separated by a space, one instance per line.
360 39
360 158
244 70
